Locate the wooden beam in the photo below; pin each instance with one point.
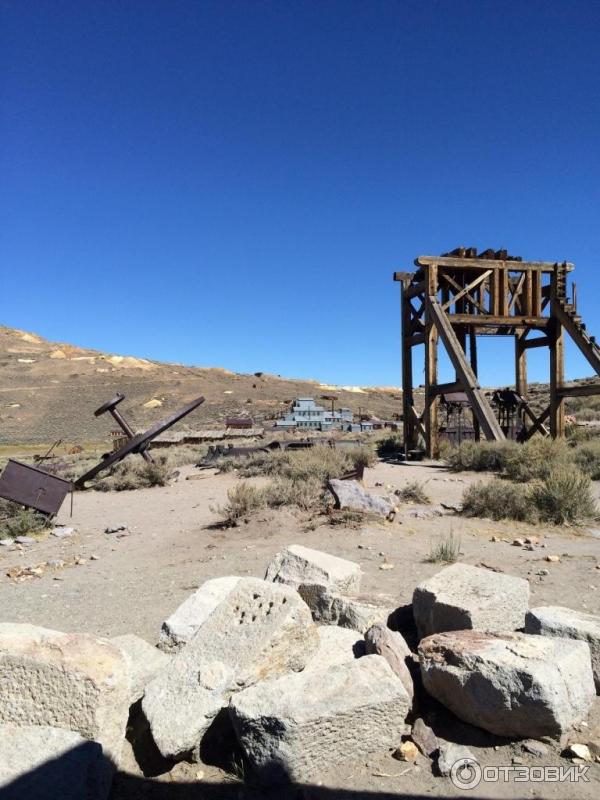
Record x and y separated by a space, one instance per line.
520 365
415 289
538 422
431 368
587 348
535 323
461 291
479 404
446 388
557 378
484 263
408 424
539 341
467 291
585 390
516 292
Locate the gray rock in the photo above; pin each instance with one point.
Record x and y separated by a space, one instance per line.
534 747
449 754
145 662
336 646
510 684
463 597
358 612
64 680
44 763
259 629
294 727
351 495
62 532
425 739
381 641
297 565
26 540
183 623
6 542
570 624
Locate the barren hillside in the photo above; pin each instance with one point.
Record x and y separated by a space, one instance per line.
49 391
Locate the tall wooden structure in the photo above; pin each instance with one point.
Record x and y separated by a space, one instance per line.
459 296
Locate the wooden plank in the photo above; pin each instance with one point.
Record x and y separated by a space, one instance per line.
467 290
404 277
588 349
520 365
557 378
460 291
535 323
528 299
415 289
585 390
431 369
539 341
478 263
481 407
517 292
538 422
446 388
408 426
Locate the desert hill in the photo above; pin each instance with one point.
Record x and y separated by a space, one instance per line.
50 391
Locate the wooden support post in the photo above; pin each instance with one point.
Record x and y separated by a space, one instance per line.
408 424
520 364
431 369
473 360
557 378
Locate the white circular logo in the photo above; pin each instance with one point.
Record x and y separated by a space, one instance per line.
465 773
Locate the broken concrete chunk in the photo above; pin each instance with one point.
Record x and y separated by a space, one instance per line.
259 629
294 727
510 684
145 662
381 641
358 612
463 597
296 565
44 763
183 623
64 680
336 646
569 624
351 495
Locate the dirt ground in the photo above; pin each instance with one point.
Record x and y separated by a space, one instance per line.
131 583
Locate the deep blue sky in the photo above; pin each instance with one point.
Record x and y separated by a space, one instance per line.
233 183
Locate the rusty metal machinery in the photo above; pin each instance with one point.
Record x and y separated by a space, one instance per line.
137 442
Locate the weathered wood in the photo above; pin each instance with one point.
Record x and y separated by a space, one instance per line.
463 292
586 347
415 289
431 367
539 341
557 377
408 425
538 422
467 290
535 323
481 407
586 390
484 263
517 293
520 365
446 388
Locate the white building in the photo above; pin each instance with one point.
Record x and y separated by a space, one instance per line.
305 413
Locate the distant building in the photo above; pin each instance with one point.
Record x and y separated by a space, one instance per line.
305 413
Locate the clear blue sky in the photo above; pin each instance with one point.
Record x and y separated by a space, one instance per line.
233 183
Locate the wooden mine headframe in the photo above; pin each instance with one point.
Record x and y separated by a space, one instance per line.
459 296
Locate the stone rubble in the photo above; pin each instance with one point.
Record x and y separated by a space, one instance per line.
145 662
297 565
381 641
358 612
462 597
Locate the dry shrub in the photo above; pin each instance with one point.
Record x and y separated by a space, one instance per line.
308 495
498 499
413 492
535 459
480 456
446 551
587 458
242 500
134 473
564 496
18 521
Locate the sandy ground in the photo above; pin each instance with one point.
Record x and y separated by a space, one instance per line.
135 581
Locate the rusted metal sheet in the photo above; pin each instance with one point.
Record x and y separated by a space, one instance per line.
33 487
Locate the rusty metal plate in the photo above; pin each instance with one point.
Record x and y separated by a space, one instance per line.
33 487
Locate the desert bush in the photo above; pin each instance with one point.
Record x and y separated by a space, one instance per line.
498 499
446 551
362 457
413 492
564 496
308 495
587 458
390 445
242 500
480 456
18 521
536 458
134 474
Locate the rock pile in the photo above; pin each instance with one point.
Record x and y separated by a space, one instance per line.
304 671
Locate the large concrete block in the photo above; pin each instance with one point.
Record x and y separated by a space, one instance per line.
351 495
294 727
336 646
259 629
43 763
64 680
569 624
183 623
510 684
296 565
358 612
145 662
462 597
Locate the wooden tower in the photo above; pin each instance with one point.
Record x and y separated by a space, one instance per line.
459 296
